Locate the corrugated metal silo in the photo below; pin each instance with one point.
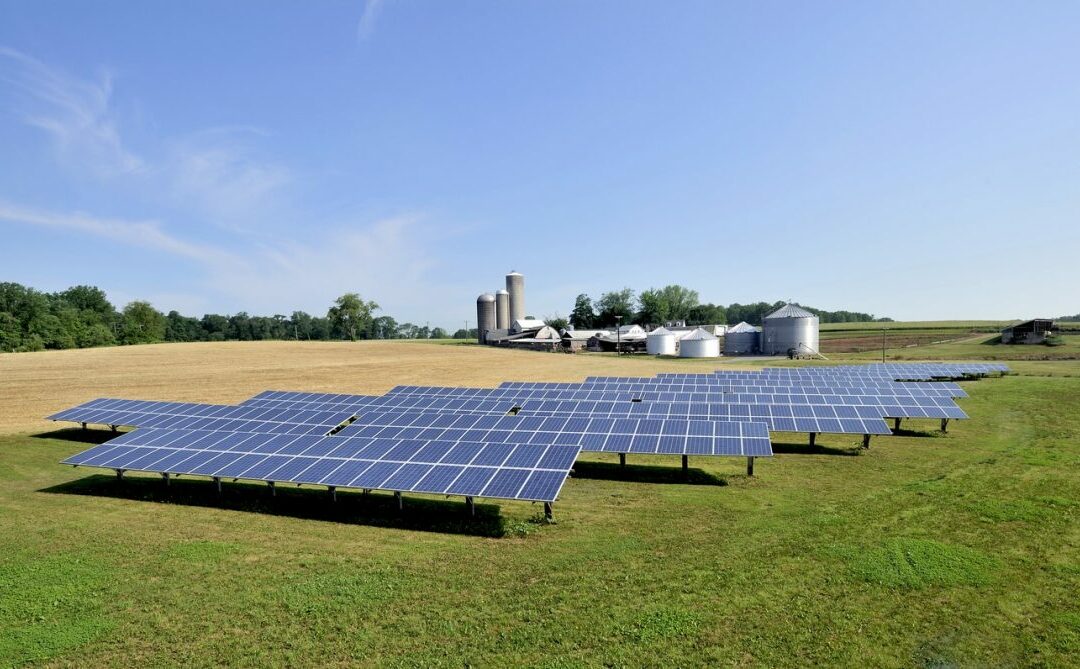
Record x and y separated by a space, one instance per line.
660 341
789 327
699 344
515 285
741 339
485 315
502 310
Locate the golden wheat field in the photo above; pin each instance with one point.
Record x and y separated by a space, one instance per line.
34 385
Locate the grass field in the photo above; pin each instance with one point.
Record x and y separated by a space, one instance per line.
926 550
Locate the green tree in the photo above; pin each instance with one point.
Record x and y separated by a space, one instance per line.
141 323
351 316
439 333
618 303
583 315
11 335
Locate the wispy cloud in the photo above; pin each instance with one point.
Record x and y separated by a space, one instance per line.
144 234
366 26
75 113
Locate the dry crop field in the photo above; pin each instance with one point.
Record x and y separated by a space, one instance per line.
926 550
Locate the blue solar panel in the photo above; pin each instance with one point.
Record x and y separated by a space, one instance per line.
483 469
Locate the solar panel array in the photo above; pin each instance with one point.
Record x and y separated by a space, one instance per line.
517 441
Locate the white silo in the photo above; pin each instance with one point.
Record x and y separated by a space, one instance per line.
699 344
485 315
660 341
502 310
515 286
789 327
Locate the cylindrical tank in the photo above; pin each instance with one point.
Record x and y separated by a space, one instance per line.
741 342
699 344
502 310
789 327
515 286
485 315
660 341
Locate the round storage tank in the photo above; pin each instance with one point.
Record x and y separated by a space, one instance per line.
502 310
699 344
515 286
660 341
485 315
789 327
741 339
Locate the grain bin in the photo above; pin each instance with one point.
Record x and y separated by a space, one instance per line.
741 339
699 344
515 286
502 310
660 341
789 327
485 315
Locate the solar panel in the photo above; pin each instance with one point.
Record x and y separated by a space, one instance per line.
626 434
503 470
217 417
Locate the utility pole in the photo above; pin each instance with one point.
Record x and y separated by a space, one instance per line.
618 336
883 331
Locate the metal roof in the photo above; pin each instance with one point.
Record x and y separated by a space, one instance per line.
699 334
791 311
741 327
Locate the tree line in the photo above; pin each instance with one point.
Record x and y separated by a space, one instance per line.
82 317
657 306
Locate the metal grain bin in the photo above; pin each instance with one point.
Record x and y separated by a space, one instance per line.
660 341
789 327
742 339
699 344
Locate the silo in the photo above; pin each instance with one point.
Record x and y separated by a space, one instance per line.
660 341
699 344
515 285
485 315
741 339
789 327
502 310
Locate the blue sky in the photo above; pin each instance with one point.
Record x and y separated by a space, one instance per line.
913 159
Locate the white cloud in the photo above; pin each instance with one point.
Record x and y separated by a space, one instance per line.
366 26
75 113
145 234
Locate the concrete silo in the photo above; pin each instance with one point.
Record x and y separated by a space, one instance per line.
515 285
742 339
502 310
789 327
485 315
699 344
660 341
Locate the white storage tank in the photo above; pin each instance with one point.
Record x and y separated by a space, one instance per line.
699 344
789 327
741 339
515 286
660 341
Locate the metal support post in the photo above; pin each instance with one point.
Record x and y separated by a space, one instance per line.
217 482
750 466
165 475
273 490
472 506
896 424
548 516
813 438
119 474
685 465
84 426
944 424
622 459
113 428
400 502
333 493
866 441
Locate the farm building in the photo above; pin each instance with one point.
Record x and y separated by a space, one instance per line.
789 329
1029 332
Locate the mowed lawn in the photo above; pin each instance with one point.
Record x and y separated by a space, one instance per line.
926 550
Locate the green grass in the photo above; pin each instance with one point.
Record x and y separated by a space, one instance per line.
959 550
